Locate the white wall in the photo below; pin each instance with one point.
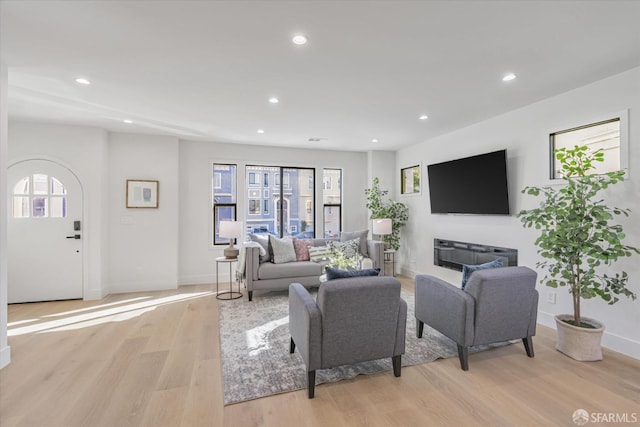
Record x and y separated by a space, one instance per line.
5 350
524 133
197 255
143 243
84 151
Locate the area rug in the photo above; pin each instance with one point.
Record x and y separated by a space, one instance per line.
254 346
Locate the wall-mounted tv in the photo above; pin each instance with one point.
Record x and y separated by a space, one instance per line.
472 185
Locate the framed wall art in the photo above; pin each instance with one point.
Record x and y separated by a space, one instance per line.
142 193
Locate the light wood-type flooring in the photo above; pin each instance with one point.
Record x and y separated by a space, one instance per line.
153 359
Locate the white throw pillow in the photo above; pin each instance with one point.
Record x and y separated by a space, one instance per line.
283 250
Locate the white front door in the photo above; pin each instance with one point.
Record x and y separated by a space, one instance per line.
44 250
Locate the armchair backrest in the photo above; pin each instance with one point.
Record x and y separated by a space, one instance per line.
506 303
360 317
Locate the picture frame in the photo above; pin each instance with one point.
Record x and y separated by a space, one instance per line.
410 180
142 193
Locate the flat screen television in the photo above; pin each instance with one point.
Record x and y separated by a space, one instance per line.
472 185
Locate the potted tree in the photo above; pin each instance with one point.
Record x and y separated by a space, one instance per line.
579 241
396 211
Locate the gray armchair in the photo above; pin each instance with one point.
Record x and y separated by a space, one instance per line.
353 320
497 304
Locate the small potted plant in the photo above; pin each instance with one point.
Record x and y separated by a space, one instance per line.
396 211
579 241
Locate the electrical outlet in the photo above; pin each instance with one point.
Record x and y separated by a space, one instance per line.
551 297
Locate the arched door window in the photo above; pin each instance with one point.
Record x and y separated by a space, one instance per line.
39 196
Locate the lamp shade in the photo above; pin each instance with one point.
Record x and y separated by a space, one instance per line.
231 229
381 226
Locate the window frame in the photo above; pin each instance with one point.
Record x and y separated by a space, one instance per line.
216 205
622 117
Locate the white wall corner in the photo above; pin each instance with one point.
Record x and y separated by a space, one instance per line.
5 356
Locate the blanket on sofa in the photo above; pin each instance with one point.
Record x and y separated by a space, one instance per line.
242 256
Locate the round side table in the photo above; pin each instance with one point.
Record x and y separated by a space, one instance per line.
230 294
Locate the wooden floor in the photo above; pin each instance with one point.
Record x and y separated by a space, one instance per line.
153 359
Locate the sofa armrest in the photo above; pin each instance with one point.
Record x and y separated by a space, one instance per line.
402 329
444 307
305 325
252 262
376 252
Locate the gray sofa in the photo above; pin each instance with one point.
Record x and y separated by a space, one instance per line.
353 320
269 276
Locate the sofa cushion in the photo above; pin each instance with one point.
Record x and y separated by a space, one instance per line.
319 253
282 250
363 235
468 269
301 247
336 273
350 248
292 269
263 240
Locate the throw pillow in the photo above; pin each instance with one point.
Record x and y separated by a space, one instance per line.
263 240
468 269
350 248
302 249
283 250
363 235
319 253
336 273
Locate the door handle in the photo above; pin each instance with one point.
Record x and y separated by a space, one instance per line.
75 236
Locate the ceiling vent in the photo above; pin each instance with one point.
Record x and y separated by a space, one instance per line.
317 139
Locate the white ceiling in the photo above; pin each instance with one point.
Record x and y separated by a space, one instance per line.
204 70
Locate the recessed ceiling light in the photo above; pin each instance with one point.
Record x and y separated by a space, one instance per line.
374 140
260 130
83 81
127 121
274 100
299 39
508 77
423 117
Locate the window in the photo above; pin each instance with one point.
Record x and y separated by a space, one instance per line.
224 198
604 135
288 209
254 178
39 196
254 207
266 179
332 202
326 183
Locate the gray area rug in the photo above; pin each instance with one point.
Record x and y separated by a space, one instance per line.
254 343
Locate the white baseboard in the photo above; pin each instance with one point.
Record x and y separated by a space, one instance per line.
610 341
5 356
202 279
124 287
93 294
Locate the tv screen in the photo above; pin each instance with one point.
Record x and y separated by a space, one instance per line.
472 185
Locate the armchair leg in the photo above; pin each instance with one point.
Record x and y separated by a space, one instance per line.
463 355
528 345
419 328
250 295
292 346
311 383
397 365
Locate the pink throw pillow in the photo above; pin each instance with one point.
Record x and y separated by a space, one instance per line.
301 248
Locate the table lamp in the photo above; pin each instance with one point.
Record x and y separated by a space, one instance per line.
381 227
231 230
